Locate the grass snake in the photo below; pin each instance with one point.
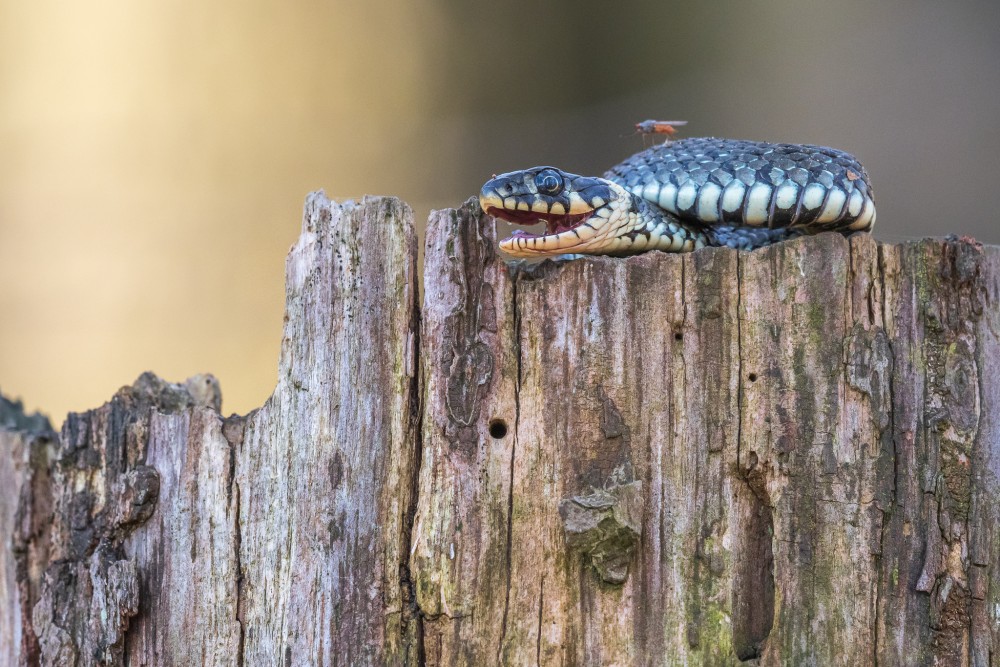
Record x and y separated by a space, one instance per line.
684 195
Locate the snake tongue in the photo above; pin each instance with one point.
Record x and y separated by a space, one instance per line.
554 224
560 225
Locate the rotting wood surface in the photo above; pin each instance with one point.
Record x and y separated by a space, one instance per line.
791 456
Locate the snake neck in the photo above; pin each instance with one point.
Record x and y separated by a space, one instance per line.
655 229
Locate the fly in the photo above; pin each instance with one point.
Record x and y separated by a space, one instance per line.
667 127
654 127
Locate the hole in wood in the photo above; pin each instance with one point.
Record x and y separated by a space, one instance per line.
678 335
752 377
498 428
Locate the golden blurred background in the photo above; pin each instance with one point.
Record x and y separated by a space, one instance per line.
154 157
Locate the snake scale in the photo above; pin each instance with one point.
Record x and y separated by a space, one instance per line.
684 195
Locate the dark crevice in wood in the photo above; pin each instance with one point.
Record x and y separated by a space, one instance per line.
679 334
753 576
753 581
234 429
513 458
541 609
239 577
413 638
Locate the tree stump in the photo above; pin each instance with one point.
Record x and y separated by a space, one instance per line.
783 457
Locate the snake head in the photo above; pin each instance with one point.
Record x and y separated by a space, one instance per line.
582 214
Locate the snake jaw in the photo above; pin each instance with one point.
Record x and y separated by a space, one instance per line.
581 217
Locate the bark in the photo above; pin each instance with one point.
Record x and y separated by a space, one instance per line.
784 457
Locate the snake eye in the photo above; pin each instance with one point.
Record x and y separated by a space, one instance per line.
549 182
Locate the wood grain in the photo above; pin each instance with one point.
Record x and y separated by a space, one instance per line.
783 457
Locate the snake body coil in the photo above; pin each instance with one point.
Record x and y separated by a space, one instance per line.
684 195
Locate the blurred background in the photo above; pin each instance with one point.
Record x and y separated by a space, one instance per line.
154 157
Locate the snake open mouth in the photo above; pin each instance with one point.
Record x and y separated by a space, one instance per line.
554 223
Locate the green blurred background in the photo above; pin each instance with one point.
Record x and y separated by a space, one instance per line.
154 156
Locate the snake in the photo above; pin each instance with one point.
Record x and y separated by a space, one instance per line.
683 195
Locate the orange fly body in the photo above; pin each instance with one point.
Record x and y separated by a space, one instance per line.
654 127
667 127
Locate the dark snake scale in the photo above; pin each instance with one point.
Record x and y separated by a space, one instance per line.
684 195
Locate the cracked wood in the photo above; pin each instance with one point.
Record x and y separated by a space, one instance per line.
756 396
810 432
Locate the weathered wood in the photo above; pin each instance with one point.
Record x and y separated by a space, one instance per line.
810 422
784 457
325 470
81 497
187 551
940 556
179 537
25 511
